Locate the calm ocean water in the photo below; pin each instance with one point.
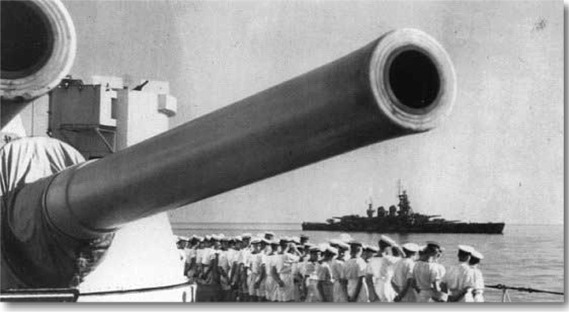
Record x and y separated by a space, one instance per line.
524 256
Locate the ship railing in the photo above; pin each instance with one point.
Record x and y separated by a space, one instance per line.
73 294
506 295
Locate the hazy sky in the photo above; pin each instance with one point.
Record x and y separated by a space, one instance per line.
498 157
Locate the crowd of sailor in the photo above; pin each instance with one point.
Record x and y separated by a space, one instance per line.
291 269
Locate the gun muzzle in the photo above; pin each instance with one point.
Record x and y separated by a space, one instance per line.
38 49
401 83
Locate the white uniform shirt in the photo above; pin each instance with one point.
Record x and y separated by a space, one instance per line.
224 261
459 277
402 271
337 269
426 273
478 285
199 255
381 268
284 263
354 269
208 256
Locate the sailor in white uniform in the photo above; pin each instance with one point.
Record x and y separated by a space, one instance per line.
381 269
261 259
339 293
478 292
270 283
428 275
283 272
459 279
324 274
355 272
402 280
309 272
252 265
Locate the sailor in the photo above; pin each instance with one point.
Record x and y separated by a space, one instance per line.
368 253
402 280
296 269
252 266
478 291
200 250
381 269
209 287
355 272
310 278
190 268
233 256
224 269
459 279
325 282
337 269
428 274
206 257
270 283
242 256
283 271
261 260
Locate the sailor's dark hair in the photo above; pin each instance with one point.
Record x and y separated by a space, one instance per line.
473 261
462 253
383 245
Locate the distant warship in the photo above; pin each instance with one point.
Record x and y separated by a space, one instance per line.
402 220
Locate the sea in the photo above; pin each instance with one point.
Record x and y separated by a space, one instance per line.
525 256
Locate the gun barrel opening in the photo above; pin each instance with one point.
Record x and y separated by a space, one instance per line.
413 79
27 39
38 49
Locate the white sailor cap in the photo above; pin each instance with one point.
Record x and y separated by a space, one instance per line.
183 238
466 248
386 239
224 239
315 248
208 237
215 237
309 245
435 245
246 235
412 247
265 241
334 241
274 241
476 254
343 246
255 240
332 250
238 238
200 238
295 239
323 246
422 247
370 248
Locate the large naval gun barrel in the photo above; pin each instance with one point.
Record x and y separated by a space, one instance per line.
399 84
38 49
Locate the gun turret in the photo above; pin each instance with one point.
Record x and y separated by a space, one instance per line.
399 84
